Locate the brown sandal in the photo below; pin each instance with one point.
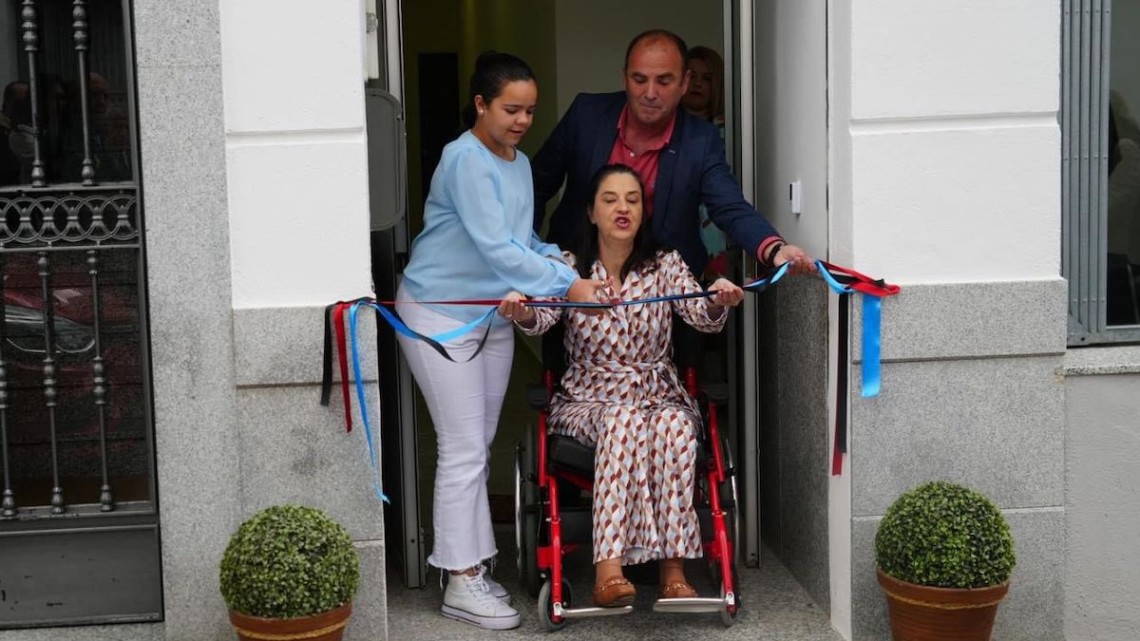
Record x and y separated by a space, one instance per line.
677 590
614 593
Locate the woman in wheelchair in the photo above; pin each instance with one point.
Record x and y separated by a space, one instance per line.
621 393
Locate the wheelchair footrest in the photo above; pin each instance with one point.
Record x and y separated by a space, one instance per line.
695 604
586 613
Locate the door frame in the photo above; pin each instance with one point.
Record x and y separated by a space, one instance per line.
385 59
403 522
744 370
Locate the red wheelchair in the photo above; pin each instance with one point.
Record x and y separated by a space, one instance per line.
552 470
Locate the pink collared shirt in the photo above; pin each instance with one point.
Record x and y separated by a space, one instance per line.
645 163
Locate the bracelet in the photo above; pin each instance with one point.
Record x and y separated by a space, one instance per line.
776 247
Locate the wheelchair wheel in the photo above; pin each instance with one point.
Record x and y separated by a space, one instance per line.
730 496
526 513
726 617
730 499
546 605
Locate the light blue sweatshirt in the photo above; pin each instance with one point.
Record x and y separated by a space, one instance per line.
478 239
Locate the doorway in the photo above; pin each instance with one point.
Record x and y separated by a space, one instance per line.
440 40
777 85
775 81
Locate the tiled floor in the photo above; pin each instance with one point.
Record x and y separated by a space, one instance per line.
775 609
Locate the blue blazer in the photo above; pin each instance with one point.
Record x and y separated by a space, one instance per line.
692 171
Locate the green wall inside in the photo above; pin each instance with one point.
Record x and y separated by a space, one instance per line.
524 28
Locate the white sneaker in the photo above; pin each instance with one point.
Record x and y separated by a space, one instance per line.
496 588
469 599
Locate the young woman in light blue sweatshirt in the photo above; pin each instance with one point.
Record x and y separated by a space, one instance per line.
478 242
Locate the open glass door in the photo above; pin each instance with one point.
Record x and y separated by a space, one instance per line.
388 202
744 357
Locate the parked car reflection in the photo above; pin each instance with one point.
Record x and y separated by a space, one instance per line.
74 352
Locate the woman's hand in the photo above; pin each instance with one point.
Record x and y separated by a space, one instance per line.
513 308
801 262
585 290
727 294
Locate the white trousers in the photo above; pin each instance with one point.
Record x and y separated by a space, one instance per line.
464 400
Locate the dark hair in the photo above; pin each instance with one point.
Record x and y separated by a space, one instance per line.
645 249
493 70
660 34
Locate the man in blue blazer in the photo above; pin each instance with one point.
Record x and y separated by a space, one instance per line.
680 158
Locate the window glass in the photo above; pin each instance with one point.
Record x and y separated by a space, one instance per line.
1123 278
60 116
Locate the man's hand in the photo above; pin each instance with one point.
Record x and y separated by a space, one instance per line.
801 262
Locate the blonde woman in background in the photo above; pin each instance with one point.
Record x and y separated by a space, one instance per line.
705 99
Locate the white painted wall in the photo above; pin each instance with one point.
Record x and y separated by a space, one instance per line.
953 140
295 152
592 36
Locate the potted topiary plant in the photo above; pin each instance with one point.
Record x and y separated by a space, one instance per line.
290 572
944 556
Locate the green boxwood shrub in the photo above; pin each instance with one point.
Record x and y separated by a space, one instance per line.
289 561
945 535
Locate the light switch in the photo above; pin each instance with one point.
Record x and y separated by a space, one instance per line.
795 195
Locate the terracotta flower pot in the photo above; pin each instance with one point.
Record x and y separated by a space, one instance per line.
923 613
327 626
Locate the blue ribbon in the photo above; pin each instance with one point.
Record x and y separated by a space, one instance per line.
872 322
361 397
872 315
373 449
831 282
757 285
451 334
760 284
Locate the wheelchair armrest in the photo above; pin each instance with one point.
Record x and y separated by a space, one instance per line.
536 396
717 393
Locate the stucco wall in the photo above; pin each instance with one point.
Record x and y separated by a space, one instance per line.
1102 441
297 170
944 156
179 61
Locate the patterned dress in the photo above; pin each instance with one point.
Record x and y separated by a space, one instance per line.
622 394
